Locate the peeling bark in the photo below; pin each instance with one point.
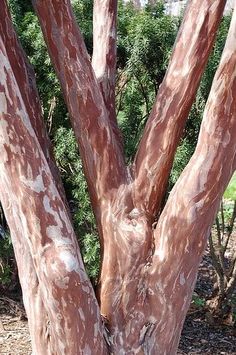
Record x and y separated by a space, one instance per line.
154 318
148 269
100 152
104 57
164 128
104 51
35 210
25 77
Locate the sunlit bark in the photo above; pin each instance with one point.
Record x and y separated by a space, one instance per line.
167 279
127 218
35 210
104 50
148 269
24 75
101 153
164 128
183 228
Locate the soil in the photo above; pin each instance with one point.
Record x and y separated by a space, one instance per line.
14 332
200 334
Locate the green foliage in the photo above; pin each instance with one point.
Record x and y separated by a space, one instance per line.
198 301
70 165
6 255
83 11
182 156
230 192
145 40
91 255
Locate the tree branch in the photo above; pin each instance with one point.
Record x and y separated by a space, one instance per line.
25 77
217 266
184 225
164 128
104 51
220 236
102 157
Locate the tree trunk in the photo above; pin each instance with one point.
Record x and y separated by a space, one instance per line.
44 241
150 258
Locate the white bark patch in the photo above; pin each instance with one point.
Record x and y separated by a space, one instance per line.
96 329
4 68
46 204
226 140
58 220
62 282
36 185
70 261
160 253
182 279
22 112
4 139
54 233
134 213
132 226
87 350
3 103
81 314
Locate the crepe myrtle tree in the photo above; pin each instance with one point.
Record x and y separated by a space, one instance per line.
150 254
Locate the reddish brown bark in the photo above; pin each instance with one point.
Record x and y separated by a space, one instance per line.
104 50
25 78
104 57
184 226
164 128
148 270
101 153
24 75
39 223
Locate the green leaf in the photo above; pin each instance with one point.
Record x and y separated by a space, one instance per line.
230 192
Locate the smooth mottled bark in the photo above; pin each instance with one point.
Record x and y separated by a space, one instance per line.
104 51
24 76
168 277
183 228
104 57
164 128
35 210
148 269
101 153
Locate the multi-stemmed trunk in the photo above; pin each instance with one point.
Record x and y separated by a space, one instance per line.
149 257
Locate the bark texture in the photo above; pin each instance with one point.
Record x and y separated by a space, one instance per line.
101 153
149 265
24 76
104 51
164 128
42 234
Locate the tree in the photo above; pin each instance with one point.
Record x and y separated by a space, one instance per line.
150 254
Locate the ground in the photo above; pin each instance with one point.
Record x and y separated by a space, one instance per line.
200 335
